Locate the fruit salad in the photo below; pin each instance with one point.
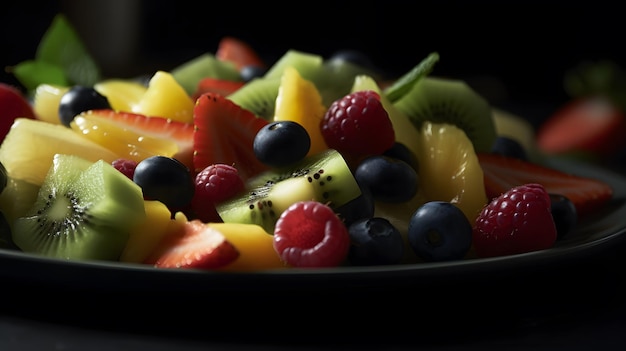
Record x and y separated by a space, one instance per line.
231 163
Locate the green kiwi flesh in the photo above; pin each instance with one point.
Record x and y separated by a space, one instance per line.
258 96
324 177
84 211
444 100
191 72
333 79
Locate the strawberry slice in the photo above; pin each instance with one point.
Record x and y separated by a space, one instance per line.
502 173
195 246
224 133
223 87
179 132
238 52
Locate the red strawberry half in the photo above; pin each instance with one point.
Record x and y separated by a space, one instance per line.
224 133
179 132
196 246
238 52
13 104
503 173
223 87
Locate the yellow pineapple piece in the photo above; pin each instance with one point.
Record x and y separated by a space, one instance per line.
123 94
449 169
255 246
166 98
123 141
17 198
146 235
299 100
28 149
46 102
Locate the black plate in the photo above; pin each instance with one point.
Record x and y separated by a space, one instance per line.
534 285
596 232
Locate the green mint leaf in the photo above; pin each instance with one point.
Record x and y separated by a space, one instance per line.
61 46
32 73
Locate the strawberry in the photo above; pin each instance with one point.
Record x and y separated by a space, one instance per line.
502 173
180 132
237 51
310 234
591 124
14 104
223 87
195 246
224 133
518 221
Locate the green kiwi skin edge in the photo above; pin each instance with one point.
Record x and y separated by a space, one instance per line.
326 176
83 211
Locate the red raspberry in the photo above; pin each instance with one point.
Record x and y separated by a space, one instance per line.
127 167
310 234
358 125
517 221
215 183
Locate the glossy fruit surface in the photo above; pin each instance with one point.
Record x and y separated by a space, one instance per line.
166 98
281 143
79 99
518 221
137 146
224 133
439 231
165 179
358 125
591 124
13 105
309 234
503 173
375 241
195 246
388 179
217 182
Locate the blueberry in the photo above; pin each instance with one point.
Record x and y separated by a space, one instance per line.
508 147
165 179
564 214
363 206
281 143
355 57
79 99
250 72
402 152
388 179
375 241
439 231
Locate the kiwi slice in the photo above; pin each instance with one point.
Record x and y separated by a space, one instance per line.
258 96
444 100
84 210
323 177
191 72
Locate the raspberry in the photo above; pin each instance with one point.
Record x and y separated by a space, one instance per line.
358 125
310 234
215 183
518 221
127 167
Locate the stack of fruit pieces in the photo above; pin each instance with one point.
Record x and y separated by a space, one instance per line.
226 163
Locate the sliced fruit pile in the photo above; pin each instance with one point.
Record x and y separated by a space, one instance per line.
226 163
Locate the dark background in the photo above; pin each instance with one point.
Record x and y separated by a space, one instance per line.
509 50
